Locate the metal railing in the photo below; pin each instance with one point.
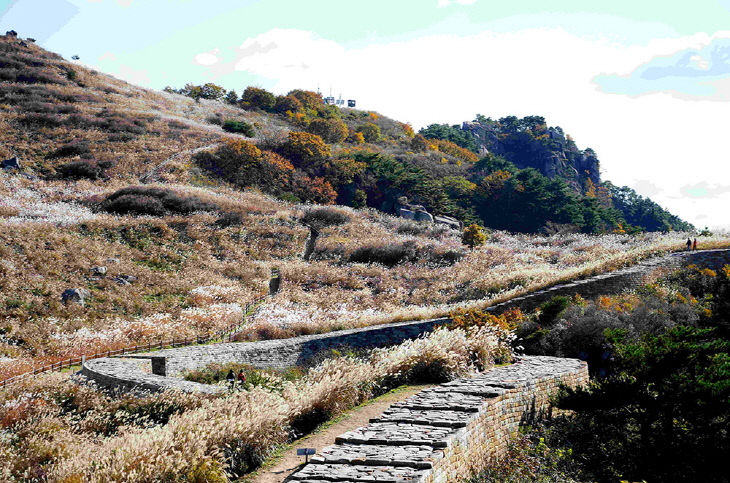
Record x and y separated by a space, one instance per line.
157 344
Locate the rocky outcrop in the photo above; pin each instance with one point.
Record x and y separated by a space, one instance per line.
551 152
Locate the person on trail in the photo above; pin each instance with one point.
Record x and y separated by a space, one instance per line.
689 244
231 378
694 245
241 378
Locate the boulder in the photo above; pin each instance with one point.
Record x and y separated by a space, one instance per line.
11 163
406 213
452 223
11 33
125 279
112 260
74 295
99 271
423 215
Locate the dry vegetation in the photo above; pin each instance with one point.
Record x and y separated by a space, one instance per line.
194 271
55 430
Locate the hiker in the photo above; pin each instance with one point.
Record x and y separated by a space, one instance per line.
694 245
231 378
241 378
689 244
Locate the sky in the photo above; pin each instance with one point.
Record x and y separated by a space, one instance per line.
644 84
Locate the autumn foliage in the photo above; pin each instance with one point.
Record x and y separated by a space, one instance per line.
304 147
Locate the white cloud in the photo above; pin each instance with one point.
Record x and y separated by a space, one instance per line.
133 76
446 3
550 72
207 58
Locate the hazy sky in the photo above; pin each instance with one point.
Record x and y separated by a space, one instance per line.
645 84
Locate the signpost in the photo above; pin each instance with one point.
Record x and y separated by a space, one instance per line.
306 452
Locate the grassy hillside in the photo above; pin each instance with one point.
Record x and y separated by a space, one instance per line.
199 239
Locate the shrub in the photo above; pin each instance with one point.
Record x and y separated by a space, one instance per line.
257 98
552 309
87 169
389 255
305 148
288 103
370 131
41 120
144 200
229 219
308 99
355 138
331 130
454 150
76 148
242 127
473 236
324 216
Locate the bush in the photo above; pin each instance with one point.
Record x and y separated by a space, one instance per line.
473 236
242 127
308 99
143 200
41 120
229 219
288 103
256 98
552 309
370 131
324 216
87 169
76 148
303 147
389 255
331 130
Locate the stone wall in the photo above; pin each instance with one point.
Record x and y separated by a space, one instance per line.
125 373
619 280
444 433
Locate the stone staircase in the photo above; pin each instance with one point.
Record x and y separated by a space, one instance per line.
445 432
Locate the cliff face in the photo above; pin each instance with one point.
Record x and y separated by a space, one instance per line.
529 143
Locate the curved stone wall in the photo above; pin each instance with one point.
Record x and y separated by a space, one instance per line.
161 369
444 433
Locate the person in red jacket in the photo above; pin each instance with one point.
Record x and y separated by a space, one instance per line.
694 246
241 378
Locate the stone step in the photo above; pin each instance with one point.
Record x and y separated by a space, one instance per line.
437 400
398 434
342 472
443 418
413 456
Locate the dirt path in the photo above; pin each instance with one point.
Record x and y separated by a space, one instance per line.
288 462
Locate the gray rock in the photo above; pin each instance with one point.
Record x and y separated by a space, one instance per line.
99 271
74 295
112 260
11 163
406 213
452 223
125 279
423 215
